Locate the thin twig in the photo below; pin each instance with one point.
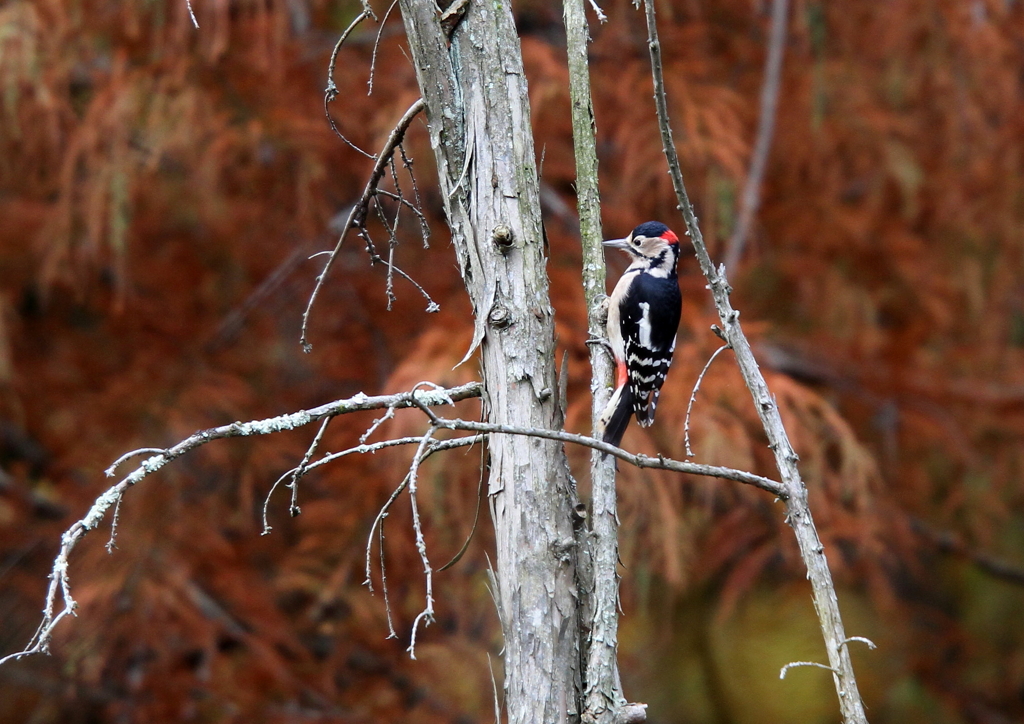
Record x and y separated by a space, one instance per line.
693 398
432 306
751 199
392 634
641 461
393 168
378 522
300 470
436 446
357 216
862 639
375 446
371 248
392 268
427 614
389 283
109 472
392 229
390 414
376 44
112 541
794 664
368 9
267 528
413 206
417 204
331 92
342 136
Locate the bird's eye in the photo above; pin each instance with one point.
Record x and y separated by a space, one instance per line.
637 240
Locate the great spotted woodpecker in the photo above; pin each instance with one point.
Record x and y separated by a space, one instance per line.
643 317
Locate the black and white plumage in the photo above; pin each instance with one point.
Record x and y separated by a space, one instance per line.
643 317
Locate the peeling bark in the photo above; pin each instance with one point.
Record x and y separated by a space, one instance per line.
479 121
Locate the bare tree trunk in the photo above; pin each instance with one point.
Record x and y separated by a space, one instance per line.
479 119
603 697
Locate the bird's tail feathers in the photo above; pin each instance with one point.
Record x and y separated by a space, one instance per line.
644 406
616 415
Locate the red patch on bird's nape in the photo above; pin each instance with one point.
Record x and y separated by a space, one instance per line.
670 236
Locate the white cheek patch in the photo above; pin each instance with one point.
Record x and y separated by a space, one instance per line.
645 325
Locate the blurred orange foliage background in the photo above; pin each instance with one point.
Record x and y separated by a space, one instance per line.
162 189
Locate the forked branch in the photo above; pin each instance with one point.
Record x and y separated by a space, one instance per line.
357 215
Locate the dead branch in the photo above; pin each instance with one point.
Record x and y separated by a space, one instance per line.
357 216
693 398
331 92
302 467
419 398
798 512
393 268
417 203
432 447
376 46
427 614
640 461
59 577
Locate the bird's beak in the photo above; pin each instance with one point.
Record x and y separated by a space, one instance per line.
618 243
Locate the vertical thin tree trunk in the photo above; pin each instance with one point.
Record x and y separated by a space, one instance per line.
603 697
479 119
